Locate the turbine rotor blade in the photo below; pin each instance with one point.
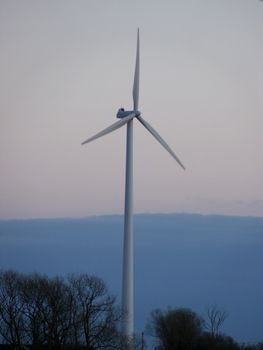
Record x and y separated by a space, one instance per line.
160 139
110 128
135 91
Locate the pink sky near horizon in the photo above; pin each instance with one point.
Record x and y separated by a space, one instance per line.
66 67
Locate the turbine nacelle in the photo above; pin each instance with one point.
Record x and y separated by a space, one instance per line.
123 114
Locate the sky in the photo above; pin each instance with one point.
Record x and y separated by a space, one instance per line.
180 260
67 66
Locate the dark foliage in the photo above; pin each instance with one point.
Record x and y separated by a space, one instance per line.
57 313
78 313
175 328
207 341
183 329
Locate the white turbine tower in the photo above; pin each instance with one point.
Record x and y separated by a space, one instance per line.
126 117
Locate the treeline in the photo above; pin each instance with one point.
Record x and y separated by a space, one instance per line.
58 313
183 329
78 312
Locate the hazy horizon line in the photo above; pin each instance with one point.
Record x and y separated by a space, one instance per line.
95 216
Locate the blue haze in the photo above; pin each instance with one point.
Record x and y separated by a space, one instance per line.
181 260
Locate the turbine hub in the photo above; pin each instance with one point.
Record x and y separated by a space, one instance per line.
122 113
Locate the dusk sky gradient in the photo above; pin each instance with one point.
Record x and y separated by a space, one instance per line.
67 66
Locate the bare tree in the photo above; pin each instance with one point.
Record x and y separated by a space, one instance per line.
33 296
214 319
95 315
11 308
57 313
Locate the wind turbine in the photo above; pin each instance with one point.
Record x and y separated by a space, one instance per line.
126 117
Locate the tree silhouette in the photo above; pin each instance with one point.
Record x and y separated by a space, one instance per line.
175 329
214 319
57 313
